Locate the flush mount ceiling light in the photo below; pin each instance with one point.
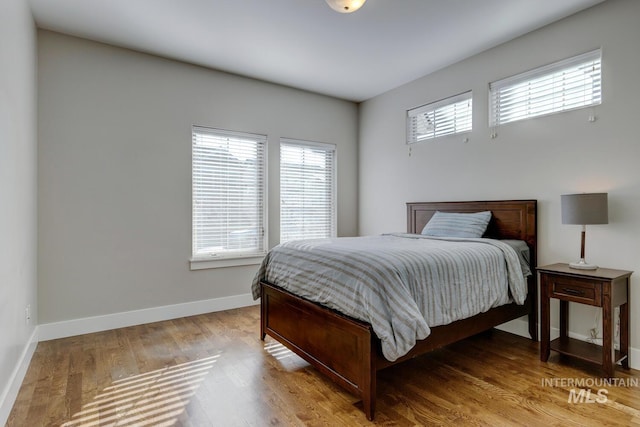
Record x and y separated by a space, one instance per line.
345 6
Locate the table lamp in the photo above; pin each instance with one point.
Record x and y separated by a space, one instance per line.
584 209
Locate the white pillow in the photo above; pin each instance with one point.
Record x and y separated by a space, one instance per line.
447 224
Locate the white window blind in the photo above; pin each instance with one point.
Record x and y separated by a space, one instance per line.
446 117
565 85
307 190
228 172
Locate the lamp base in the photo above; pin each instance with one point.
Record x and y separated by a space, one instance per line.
582 265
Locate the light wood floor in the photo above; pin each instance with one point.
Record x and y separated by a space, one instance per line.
213 370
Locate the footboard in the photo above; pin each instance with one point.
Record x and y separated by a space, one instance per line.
338 346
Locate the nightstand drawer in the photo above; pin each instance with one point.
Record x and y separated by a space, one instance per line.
576 290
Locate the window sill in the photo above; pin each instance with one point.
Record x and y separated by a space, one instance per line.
206 263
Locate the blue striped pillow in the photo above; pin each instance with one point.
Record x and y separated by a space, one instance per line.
447 224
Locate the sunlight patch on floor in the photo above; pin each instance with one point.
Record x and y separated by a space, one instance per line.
278 350
153 398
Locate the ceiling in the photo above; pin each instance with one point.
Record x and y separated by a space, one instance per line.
303 43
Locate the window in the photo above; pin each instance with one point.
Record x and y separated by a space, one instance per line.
565 85
307 190
228 184
446 117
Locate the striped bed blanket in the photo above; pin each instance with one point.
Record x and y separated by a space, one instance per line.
401 284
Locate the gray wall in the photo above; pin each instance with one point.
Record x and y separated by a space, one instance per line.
18 220
540 158
115 172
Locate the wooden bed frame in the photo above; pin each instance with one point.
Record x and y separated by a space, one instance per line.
349 353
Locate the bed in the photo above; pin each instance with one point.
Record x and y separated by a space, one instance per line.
348 351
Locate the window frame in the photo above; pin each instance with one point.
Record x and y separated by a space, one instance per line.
450 126
535 76
227 257
329 148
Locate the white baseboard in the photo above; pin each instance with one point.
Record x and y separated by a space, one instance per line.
517 327
87 325
10 390
634 358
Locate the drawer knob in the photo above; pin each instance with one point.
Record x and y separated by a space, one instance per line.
572 291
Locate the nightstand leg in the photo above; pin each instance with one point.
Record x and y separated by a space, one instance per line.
624 335
564 319
608 352
544 320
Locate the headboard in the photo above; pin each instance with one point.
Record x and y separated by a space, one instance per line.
510 219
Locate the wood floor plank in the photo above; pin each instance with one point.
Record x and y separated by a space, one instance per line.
213 370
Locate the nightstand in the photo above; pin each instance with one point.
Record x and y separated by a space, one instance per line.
604 288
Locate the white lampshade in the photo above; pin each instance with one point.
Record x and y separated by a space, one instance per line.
345 6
